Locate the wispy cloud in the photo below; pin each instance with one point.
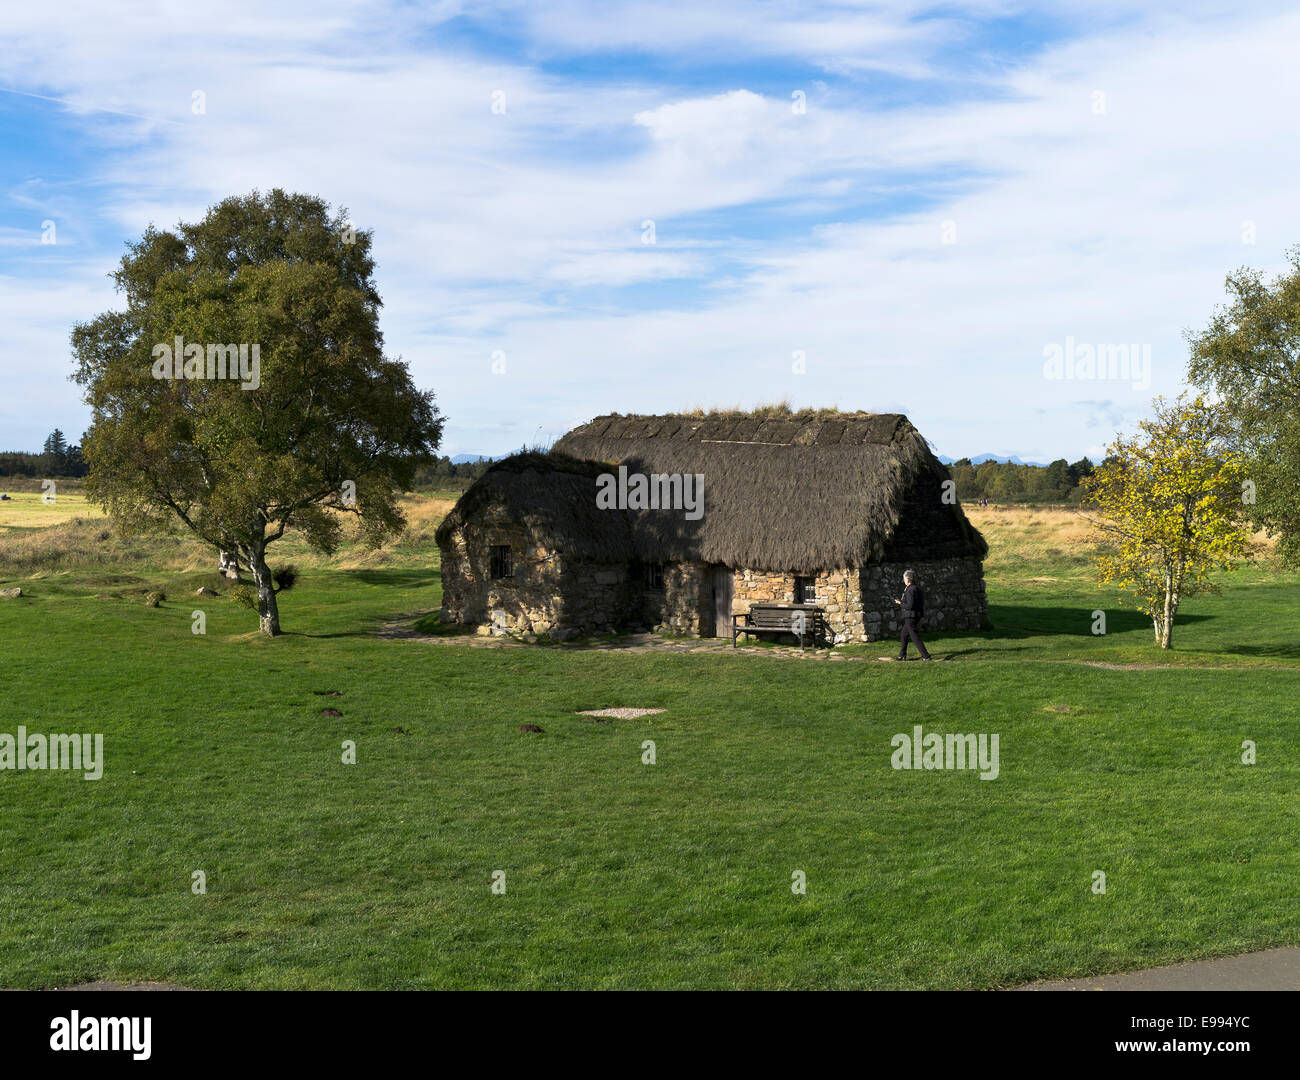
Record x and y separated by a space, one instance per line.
950 190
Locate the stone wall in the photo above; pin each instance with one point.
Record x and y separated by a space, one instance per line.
859 604
681 606
458 600
548 594
838 593
559 596
953 588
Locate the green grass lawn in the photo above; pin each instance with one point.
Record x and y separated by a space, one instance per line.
621 874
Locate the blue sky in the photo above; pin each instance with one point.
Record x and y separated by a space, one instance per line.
889 207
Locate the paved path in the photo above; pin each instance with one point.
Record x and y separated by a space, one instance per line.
1272 969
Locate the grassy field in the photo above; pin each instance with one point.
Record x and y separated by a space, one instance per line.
618 873
30 509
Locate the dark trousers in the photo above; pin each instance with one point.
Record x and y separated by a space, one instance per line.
909 631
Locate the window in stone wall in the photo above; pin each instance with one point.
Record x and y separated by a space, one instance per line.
805 590
654 575
502 566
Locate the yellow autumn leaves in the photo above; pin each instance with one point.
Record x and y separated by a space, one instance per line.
1170 503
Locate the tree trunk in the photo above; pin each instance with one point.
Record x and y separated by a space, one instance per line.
228 564
1165 625
268 611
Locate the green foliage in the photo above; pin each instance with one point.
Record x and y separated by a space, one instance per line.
56 446
56 459
1006 482
1170 502
443 474
333 427
1056 478
964 477
244 595
1250 356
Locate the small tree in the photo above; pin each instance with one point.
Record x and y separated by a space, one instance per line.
1057 477
55 452
1170 501
326 426
73 465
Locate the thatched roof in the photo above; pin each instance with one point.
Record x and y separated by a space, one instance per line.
797 492
551 494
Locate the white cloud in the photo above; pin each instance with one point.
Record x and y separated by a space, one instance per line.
1108 227
624 267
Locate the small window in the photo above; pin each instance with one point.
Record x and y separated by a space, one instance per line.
654 575
502 566
805 590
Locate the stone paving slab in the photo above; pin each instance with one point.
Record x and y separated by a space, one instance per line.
400 630
619 714
632 643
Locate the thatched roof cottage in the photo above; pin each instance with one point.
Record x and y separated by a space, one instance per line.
813 507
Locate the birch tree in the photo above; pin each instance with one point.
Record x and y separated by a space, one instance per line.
1170 504
326 427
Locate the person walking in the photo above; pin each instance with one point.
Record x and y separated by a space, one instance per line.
912 610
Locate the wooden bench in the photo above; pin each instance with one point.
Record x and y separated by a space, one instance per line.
804 621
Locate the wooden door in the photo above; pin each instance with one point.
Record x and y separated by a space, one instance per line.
723 582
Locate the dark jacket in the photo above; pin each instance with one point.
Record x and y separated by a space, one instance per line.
913 602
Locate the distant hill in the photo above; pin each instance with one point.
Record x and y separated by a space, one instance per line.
466 459
979 459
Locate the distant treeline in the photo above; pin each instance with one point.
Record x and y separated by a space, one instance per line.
1057 482
443 474
57 458
1004 483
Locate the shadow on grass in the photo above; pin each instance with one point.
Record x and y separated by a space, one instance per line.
1022 621
1011 623
402 578
1287 650
430 624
